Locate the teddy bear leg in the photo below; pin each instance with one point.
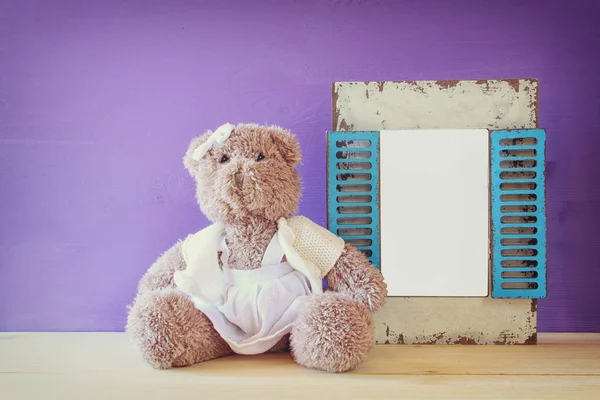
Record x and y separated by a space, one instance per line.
333 333
168 330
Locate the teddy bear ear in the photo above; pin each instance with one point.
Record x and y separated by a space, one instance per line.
286 144
189 162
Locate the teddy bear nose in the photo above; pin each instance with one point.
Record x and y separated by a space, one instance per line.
239 179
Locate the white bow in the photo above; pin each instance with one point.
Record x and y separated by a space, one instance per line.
217 137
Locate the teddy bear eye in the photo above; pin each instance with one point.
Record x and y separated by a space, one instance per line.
260 157
224 159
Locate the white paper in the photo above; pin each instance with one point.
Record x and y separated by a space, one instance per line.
434 198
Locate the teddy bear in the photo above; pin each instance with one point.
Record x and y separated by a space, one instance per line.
259 279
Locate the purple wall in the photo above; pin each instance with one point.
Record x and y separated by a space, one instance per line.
98 101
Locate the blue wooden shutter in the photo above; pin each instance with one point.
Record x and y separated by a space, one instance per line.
518 213
353 190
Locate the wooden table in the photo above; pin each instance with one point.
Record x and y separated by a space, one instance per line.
87 366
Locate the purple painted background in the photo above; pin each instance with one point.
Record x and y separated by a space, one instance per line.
99 99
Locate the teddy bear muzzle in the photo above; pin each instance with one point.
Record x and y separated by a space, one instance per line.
239 179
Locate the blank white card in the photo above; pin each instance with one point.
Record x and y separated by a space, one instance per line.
434 208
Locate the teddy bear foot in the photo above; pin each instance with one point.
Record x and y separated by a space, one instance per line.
169 331
332 334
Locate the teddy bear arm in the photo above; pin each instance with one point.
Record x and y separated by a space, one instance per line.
160 274
355 276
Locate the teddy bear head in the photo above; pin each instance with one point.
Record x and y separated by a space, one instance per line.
245 171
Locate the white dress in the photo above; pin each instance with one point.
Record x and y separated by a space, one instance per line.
253 309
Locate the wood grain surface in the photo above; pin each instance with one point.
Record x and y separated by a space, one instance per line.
103 366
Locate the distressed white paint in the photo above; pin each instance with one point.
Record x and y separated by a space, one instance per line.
494 104
454 320
427 105
434 198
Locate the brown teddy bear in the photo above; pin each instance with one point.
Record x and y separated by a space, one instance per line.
253 281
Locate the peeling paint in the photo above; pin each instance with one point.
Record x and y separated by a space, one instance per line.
436 321
505 337
415 84
464 340
514 83
534 306
494 104
400 339
531 340
345 127
447 84
335 108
